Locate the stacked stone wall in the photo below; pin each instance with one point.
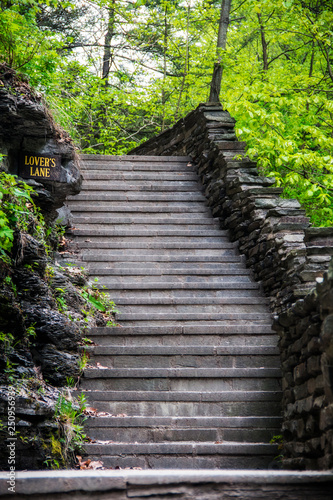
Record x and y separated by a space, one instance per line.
287 256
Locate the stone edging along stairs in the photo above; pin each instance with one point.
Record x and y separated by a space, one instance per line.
192 377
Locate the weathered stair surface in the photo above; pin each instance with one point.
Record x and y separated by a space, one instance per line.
191 378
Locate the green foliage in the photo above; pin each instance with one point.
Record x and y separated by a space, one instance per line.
97 299
60 297
69 415
14 214
83 360
277 77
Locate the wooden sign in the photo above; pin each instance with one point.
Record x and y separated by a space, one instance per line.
36 166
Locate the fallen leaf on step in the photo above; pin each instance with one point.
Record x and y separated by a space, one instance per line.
104 414
89 464
121 415
90 411
101 367
218 442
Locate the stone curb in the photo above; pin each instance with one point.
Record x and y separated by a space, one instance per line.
48 482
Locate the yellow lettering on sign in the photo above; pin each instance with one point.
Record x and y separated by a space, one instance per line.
39 172
39 165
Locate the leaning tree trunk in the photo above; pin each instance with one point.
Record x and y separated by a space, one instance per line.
215 85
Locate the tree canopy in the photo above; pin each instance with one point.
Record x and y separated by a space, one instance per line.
116 72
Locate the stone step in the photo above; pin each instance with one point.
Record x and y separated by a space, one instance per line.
149 301
160 285
186 448
187 360
179 340
144 221
185 422
137 243
188 455
184 340
101 381
181 379
111 159
196 314
188 309
190 409
131 166
179 462
178 320
166 267
180 484
138 197
182 207
156 434
139 175
212 329
141 186
132 270
169 217
220 396
223 352
151 227
181 373
163 242
124 233
175 277
95 256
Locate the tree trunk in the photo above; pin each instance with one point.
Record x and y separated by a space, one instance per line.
165 49
264 43
215 85
107 56
185 63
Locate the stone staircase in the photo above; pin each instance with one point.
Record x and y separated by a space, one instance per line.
192 377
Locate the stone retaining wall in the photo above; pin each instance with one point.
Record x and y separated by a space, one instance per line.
287 256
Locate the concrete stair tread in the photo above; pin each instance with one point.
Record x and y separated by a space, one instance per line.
110 220
184 396
141 186
185 422
182 372
145 232
137 271
137 243
190 316
189 208
138 175
209 328
228 448
167 350
239 300
135 158
138 196
160 285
